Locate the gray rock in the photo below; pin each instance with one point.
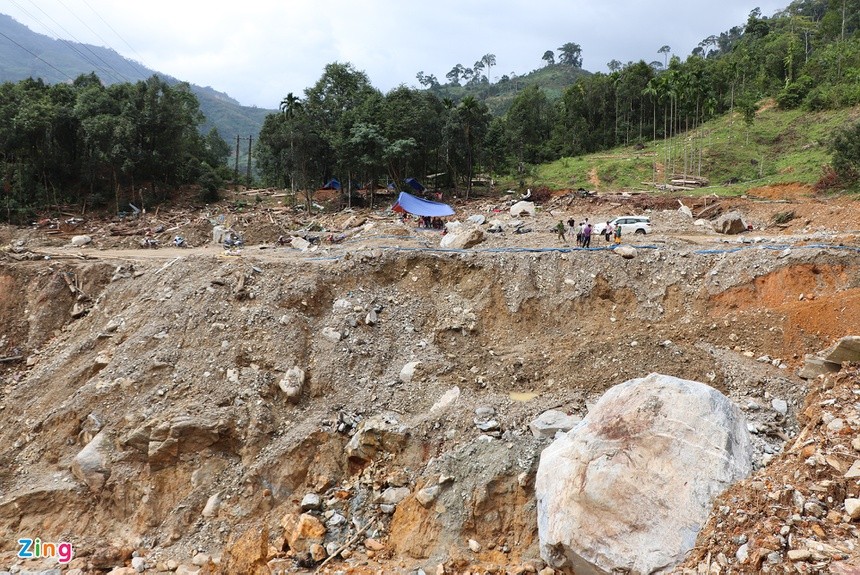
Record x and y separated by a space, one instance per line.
292 383
393 495
491 425
332 334
213 504
522 208
138 564
813 366
81 240
846 349
550 422
300 243
379 433
311 501
730 223
90 465
780 406
428 495
407 372
626 252
464 238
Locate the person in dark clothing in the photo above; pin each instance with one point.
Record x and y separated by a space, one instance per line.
559 228
586 236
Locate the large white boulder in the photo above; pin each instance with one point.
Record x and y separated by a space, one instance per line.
730 223
523 209
463 238
629 488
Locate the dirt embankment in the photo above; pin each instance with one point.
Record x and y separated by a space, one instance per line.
180 364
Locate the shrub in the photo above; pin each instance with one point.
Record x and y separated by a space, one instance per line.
846 153
793 95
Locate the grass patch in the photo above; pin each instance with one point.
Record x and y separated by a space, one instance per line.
779 147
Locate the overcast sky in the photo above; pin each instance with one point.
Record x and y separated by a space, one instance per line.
259 50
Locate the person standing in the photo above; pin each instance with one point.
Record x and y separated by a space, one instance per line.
559 228
617 233
607 232
586 236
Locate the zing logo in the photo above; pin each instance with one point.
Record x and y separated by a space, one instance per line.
36 549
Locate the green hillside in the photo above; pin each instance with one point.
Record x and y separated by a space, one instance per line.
778 147
553 80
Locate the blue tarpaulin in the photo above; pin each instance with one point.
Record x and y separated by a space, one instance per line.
414 184
417 206
332 184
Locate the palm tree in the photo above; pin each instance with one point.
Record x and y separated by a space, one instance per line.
290 106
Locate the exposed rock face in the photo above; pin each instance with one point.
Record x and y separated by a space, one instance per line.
730 223
630 487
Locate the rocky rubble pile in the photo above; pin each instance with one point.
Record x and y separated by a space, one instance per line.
801 513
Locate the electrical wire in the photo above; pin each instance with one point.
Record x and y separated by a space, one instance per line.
109 72
37 57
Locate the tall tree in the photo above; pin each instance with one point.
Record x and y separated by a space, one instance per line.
290 107
570 54
489 60
474 119
548 57
665 50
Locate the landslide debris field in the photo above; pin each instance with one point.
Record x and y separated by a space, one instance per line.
193 410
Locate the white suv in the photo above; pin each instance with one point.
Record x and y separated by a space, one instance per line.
629 225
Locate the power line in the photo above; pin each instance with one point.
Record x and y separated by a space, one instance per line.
109 71
117 34
37 57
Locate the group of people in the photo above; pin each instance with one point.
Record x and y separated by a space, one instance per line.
431 223
584 232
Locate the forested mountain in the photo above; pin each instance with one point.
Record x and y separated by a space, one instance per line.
25 54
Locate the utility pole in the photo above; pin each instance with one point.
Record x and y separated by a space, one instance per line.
236 170
250 141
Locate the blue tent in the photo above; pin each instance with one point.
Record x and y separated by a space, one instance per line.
414 184
332 184
417 206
